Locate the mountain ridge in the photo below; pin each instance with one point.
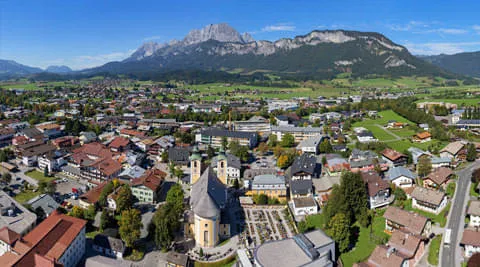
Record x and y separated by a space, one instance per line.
319 53
465 63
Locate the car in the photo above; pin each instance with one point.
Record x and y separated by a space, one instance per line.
69 205
18 178
64 180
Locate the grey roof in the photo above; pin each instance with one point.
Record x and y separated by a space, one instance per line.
109 242
208 195
302 202
133 172
21 220
46 202
232 161
428 195
416 153
290 129
310 142
101 261
396 172
438 160
177 258
292 254
474 208
305 163
326 183
178 154
268 179
226 133
31 132
251 173
301 187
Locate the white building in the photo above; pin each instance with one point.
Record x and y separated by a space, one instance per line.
428 200
474 213
302 206
400 176
471 242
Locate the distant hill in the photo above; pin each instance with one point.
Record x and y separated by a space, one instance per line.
318 54
12 68
58 69
463 63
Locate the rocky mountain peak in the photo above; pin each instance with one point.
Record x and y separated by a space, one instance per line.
219 32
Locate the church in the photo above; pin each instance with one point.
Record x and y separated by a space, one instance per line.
206 221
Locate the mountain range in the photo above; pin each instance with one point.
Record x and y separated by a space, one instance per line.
467 63
219 47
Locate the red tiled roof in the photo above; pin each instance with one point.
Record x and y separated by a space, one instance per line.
108 166
471 237
374 183
440 175
46 243
423 135
119 142
152 179
132 133
392 154
93 195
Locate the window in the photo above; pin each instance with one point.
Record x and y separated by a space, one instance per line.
205 236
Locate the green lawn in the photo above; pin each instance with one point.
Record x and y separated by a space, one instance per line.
434 250
436 218
26 196
316 221
39 176
381 134
365 245
474 193
92 234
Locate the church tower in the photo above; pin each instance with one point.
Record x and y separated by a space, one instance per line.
195 165
222 166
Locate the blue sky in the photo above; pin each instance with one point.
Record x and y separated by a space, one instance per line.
84 33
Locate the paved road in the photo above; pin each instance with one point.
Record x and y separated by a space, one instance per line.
450 255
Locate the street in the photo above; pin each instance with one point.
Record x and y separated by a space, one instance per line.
451 255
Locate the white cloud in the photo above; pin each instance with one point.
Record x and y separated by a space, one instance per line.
151 38
411 25
89 61
441 48
279 27
476 28
445 31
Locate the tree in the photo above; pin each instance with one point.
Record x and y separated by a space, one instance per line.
40 213
210 152
175 196
272 140
471 152
124 199
287 140
178 173
424 166
239 151
45 171
263 148
129 226
339 230
325 146
261 199
3 156
105 220
400 195
89 213
324 160
283 161
76 212
235 184
224 143
107 189
451 189
476 176
6 177
164 156
51 188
